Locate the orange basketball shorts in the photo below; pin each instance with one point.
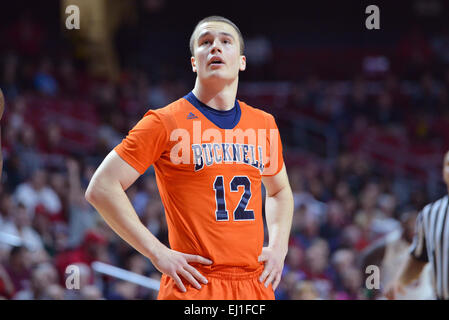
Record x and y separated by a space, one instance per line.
228 284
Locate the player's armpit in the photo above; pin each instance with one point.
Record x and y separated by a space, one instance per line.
274 184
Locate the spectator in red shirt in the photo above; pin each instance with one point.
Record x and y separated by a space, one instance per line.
93 248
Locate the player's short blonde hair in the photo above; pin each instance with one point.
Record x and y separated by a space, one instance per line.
217 19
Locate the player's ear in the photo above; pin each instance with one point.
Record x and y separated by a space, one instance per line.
242 63
193 62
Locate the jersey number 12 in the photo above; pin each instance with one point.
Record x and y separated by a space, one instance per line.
240 212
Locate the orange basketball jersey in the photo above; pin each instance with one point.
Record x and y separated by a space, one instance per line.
209 178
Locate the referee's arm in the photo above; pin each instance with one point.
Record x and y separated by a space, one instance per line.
414 264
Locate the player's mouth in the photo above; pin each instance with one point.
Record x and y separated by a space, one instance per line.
216 61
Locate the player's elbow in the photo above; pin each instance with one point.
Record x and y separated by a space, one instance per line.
93 192
90 193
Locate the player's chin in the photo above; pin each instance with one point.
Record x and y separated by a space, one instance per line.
217 75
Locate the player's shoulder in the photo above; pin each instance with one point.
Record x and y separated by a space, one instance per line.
255 112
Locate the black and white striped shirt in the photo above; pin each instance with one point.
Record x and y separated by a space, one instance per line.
431 243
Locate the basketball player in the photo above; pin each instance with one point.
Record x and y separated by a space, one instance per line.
430 245
211 153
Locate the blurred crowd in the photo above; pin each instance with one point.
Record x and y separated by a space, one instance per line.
60 122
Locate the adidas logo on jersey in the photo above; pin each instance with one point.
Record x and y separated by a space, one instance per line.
191 116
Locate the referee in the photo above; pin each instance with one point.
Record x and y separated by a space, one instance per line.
430 244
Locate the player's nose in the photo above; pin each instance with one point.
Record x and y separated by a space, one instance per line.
216 46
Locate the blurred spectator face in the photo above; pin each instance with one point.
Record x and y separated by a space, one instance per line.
335 214
58 182
137 263
350 205
39 179
53 135
39 257
387 203
126 290
20 259
344 162
43 276
446 169
316 188
311 225
289 280
41 222
352 280
28 136
91 293
342 190
61 237
304 290
295 256
7 205
21 217
227 47
343 259
54 292
369 199
316 258
351 236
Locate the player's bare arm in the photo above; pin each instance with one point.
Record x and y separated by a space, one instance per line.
279 213
106 192
410 271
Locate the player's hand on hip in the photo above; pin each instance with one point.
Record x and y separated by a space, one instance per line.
175 264
393 289
274 264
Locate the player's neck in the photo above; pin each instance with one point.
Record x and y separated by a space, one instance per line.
216 95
